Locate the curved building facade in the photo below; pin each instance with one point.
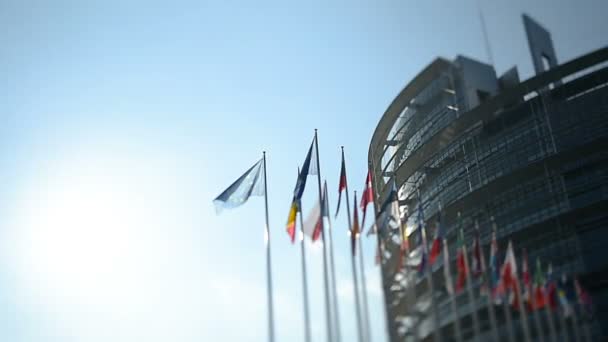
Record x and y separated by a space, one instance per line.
531 155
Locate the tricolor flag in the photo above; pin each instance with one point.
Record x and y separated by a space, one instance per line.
538 301
494 270
437 241
562 293
476 270
461 265
251 183
309 167
342 184
526 280
367 197
583 298
423 258
551 289
446 266
354 230
313 223
508 272
388 215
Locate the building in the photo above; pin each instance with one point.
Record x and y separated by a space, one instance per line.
531 155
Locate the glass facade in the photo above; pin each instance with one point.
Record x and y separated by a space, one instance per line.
532 157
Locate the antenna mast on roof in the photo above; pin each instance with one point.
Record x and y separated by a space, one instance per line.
484 30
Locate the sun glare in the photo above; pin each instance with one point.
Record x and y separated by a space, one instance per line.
77 235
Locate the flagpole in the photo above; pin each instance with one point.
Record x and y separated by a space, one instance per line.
448 278
325 275
429 274
268 260
354 270
523 317
365 310
470 293
489 302
505 304
564 325
577 333
307 333
540 332
550 317
333 270
469 282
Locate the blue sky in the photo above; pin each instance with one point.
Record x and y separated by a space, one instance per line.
122 120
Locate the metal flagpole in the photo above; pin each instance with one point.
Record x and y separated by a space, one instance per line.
365 312
429 275
325 275
540 332
507 310
307 333
577 333
470 289
550 317
564 326
523 316
490 304
268 261
333 271
354 269
450 287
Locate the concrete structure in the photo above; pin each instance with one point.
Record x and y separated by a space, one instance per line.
531 154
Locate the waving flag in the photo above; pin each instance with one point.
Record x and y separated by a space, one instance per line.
423 258
539 287
583 298
461 265
251 183
494 270
388 216
562 293
309 167
367 197
437 241
312 224
508 272
476 269
342 184
526 279
354 231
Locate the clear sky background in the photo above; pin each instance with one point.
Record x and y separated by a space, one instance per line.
122 120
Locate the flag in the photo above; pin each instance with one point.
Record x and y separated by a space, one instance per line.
446 269
367 197
309 167
494 270
583 298
354 231
526 280
437 241
423 259
342 184
312 224
291 221
251 183
539 287
314 221
562 294
476 269
388 213
551 289
461 265
508 272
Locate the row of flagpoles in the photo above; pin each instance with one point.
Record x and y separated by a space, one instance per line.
498 284
254 183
